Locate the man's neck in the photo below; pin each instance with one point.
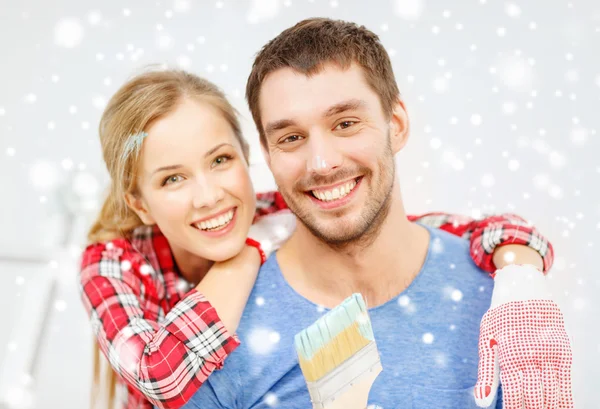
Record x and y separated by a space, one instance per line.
379 271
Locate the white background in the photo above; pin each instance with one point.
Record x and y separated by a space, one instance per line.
503 98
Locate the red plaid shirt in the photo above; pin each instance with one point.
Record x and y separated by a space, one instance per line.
164 339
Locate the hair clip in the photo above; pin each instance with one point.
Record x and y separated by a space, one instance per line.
134 143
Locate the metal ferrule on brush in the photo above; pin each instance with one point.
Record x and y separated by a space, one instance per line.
327 389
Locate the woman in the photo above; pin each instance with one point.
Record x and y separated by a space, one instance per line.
170 266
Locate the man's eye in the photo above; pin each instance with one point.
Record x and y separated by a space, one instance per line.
291 138
172 179
219 160
345 124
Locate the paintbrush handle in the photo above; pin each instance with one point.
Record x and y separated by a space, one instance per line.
357 396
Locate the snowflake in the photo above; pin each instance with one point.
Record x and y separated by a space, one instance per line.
579 136
456 295
44 175
262 341
111 252
509 107
476 119
512 10
99 102
440 85
409 9
516 73
94 17
60 305
557 160
579 304
68 33
428 338
260 301
184 62
555 192
403 301
271 399
435 143
262 10
30 98
441 360
437 246
145 269
164 41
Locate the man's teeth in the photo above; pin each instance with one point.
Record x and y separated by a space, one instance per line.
333 194
216 222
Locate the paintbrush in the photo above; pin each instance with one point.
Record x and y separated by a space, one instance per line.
338 356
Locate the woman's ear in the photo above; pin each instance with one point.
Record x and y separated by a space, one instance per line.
137 204
399 126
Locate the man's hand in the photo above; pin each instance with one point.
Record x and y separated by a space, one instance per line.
524 345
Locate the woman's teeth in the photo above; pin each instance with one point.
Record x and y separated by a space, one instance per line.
216 223
333 194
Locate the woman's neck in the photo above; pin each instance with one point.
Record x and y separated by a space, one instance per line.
190 266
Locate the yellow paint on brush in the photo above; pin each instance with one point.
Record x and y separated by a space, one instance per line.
341 347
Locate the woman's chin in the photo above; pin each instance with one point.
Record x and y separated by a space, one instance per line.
225 251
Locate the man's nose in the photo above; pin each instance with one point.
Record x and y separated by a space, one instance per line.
324 155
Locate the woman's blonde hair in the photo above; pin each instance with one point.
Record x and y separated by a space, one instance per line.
143 99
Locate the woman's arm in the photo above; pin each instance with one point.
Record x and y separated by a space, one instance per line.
496 241
166 362
228 285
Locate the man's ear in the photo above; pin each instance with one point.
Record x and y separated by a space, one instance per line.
399 126
137 204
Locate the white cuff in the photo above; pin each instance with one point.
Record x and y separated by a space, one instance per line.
519 283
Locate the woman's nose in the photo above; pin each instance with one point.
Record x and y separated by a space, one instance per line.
206 193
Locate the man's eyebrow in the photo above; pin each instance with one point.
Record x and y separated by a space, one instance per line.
349 105
278 125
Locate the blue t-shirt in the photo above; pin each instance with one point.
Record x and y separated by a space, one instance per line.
427 338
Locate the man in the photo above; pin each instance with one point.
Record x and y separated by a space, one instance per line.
328 111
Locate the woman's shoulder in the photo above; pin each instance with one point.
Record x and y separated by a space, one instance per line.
126 253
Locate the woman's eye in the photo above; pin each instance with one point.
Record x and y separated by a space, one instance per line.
172 179
221 160
345 124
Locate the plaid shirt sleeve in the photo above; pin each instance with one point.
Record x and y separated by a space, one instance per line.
484 235
490 233
167 363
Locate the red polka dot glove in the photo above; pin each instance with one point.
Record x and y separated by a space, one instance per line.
523 345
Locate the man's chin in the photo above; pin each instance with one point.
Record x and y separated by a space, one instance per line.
336 232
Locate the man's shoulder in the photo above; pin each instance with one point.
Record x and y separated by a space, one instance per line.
449 256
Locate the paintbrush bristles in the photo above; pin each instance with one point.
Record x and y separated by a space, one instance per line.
333 354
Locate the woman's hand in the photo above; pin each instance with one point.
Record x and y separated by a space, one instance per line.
517 254
228 284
